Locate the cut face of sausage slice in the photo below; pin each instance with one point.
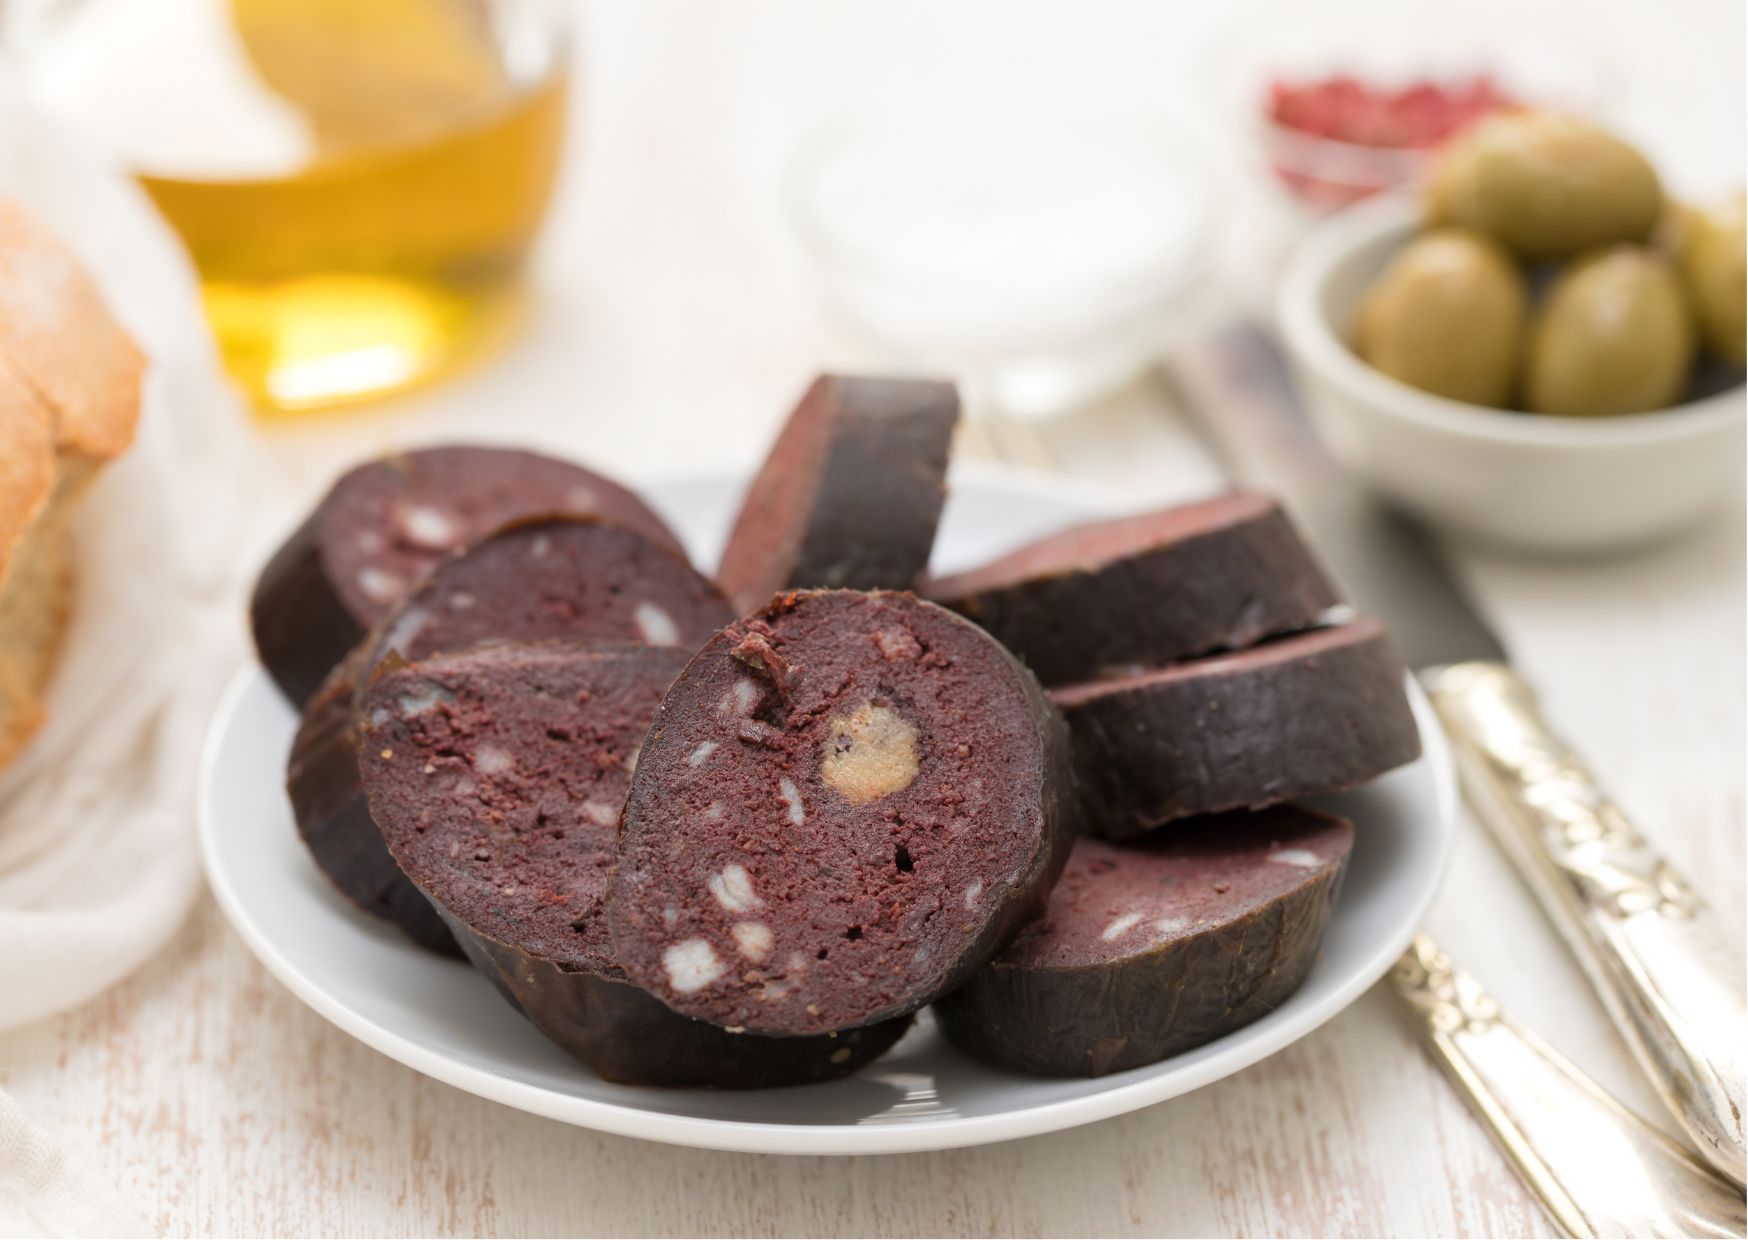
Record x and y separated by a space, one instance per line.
554 577
847 802
545 579
850 495
1114 596
1151 948
497 776
385 523
1315 712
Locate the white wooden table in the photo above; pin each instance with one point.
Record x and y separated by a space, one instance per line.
672 325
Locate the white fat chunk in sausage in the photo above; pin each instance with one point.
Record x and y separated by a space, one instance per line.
429 527
657 626
1304 858
792 798
973 893
752 939
701 753
380 585
406 628
491 759
601 813
422 698
733 889
1121 926
897 645
691 966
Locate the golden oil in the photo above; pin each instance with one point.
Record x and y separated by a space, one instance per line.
389 252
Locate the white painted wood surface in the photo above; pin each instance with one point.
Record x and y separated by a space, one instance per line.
672 324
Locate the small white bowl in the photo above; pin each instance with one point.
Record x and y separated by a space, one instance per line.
1528 482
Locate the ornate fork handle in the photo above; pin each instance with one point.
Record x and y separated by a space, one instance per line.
1657 955
1598 1169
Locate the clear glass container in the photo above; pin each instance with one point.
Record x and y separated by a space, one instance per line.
358 183
1041 259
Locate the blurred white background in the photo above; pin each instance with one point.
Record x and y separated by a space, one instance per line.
670 280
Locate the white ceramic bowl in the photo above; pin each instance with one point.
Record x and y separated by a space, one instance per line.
1528 482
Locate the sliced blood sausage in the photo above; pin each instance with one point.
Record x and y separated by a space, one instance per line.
549 578
1157 946
850 495
1144 590
496 776
846 804
386 522
321 778
1314 712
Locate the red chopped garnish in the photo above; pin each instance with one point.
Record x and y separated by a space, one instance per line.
1418 116
1409 119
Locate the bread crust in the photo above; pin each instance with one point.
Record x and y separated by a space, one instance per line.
69 401
27 466
60 342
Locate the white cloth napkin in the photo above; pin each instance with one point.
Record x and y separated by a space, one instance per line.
97 852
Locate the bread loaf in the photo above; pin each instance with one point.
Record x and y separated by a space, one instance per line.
69 399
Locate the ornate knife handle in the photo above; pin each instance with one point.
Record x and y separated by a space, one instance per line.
1658 956
1598 1169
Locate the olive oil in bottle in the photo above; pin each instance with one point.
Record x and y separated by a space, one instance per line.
358 183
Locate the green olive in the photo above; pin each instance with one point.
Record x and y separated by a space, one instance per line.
1613 336
1712 265
1674 227
1545 185
1447 317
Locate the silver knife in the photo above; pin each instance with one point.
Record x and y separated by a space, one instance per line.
1660 959
1598 1169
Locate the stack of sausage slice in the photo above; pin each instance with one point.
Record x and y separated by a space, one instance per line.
1207 681
736 834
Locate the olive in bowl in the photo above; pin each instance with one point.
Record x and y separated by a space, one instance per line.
1531 482
1713 250
1447 316
1545 185
1613 335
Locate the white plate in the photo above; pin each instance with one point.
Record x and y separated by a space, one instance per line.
443 1019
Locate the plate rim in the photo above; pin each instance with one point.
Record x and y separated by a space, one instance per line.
743 1136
